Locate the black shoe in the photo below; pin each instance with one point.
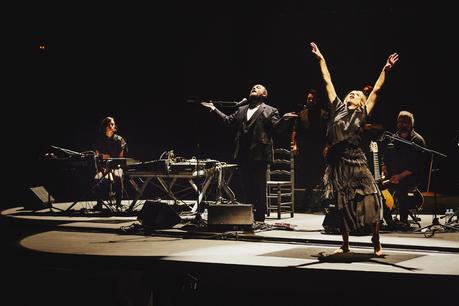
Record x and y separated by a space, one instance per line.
387 226
402 226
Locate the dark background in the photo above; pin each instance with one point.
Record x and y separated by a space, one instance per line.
141 61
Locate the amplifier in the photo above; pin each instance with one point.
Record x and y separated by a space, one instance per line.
229 217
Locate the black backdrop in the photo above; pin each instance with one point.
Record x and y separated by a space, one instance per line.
141 62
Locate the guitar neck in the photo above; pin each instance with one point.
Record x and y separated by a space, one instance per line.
376 166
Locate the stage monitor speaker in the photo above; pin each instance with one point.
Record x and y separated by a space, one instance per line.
230 217
158 215
37 198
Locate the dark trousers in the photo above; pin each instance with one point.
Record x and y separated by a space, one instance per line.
252 176
402 200
309 170
401 197
387 214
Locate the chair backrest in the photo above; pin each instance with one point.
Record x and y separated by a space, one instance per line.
283 167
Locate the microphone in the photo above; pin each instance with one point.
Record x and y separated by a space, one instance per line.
243 102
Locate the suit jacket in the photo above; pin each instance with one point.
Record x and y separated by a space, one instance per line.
254 138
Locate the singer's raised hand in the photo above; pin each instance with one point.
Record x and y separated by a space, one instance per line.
316 51
329 87
209 105
393 58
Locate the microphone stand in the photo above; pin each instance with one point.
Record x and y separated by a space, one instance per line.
229 104
222 103
427 230
225 103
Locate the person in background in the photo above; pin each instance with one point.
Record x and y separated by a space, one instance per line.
109 145
403 165
366 89
308 141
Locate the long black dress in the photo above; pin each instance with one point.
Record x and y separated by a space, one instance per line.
348 182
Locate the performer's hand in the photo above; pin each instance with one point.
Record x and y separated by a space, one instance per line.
294 148
384 172
316 51
209 105
105 156
395 179
393 58
289 115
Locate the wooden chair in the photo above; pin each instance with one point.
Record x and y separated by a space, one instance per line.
280 183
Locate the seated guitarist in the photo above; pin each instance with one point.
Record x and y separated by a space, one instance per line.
110 145
403 164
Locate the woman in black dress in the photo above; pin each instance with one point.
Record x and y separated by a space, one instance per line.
348 181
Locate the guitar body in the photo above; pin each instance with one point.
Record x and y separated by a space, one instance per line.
388 198
415 197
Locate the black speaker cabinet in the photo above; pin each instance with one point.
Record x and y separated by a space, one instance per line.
37 198
229 217
158 215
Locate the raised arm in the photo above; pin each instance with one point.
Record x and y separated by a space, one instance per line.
228 120
372 97
331 93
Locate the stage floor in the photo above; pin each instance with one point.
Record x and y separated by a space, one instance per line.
288 242
281 248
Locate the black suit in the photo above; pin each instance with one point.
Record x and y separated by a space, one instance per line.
254 150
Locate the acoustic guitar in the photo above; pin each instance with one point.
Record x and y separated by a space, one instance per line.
383 186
